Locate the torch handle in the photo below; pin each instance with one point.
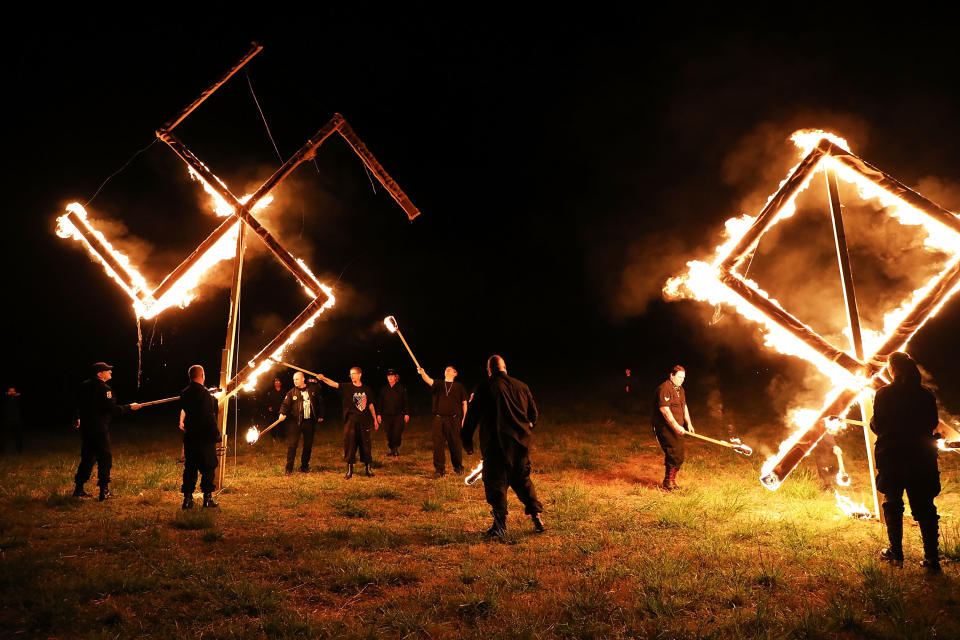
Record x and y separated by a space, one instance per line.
162 401
719 442
275 423
408 349
315 375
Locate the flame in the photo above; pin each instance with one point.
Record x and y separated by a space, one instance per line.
702 281
391 324
851 508
253 434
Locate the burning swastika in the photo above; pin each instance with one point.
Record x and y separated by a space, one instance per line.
856 372
178 288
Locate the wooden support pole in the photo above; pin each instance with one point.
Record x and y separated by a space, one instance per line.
228 357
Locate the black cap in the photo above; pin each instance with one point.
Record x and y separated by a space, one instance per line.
392 372
97 367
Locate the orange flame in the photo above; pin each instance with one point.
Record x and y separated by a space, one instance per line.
850 508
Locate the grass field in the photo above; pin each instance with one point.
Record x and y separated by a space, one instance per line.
401 555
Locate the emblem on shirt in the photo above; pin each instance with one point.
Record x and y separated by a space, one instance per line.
360 400
666 397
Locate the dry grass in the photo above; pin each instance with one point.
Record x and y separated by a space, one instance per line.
401 555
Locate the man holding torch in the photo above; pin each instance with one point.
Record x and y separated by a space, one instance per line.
504 410
670 414
449 410
356 399
96 409
904 419
198 421
304 405
394 411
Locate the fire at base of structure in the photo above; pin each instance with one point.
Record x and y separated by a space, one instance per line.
718 282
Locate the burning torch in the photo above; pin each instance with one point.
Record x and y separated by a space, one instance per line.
391 323
733 443
475 475
253 434
842 478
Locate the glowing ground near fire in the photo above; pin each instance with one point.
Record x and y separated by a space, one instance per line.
400 555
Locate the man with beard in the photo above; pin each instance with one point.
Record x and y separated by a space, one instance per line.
304 406
198 421
96 409
505 412
904 419
356 399
670 414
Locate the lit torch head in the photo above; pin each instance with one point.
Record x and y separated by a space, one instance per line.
391 324
740 447
253 434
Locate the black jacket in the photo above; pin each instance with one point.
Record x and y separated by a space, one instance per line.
96 406
392 401
505 412
292 406
272 399
904 417
200 419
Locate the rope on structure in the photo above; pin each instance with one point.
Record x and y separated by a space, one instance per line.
718 310
110 177
257 102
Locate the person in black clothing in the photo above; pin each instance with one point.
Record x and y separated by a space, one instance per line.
504 410
670 414
198 421
303 409
270 408
904 419
394 411
449 409
96 409
11 423
359 415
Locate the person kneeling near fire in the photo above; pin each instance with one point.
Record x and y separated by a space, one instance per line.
670 414
504 410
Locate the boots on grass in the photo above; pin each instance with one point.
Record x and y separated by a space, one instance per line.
666 478
538 525
499 527
187 502
349 473
78 492
368 471
104 493
894 553
930 532
208 502
673 478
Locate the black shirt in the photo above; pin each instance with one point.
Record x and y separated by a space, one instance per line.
669 395
392 401
448 398
200 421
96 406
356 401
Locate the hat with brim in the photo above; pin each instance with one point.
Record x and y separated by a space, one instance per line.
97 367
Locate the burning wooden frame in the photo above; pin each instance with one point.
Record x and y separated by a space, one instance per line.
854 375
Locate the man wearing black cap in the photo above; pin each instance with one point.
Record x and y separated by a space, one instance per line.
198 421
96 408
394 412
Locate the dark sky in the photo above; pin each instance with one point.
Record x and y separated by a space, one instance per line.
558 162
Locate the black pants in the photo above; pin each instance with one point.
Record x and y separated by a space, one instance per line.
498 473
11 429
308 428
393 425
674 449
356 435
921 483
94 448
446 433
199 459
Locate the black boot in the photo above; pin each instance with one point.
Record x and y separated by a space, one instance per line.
538 525
104 493
349 473
930 533
187 502
78 492
208 502
368 470
499 527
894 553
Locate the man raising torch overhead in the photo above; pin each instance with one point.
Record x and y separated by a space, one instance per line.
449 409
670 414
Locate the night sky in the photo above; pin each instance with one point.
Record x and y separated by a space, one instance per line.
564 164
